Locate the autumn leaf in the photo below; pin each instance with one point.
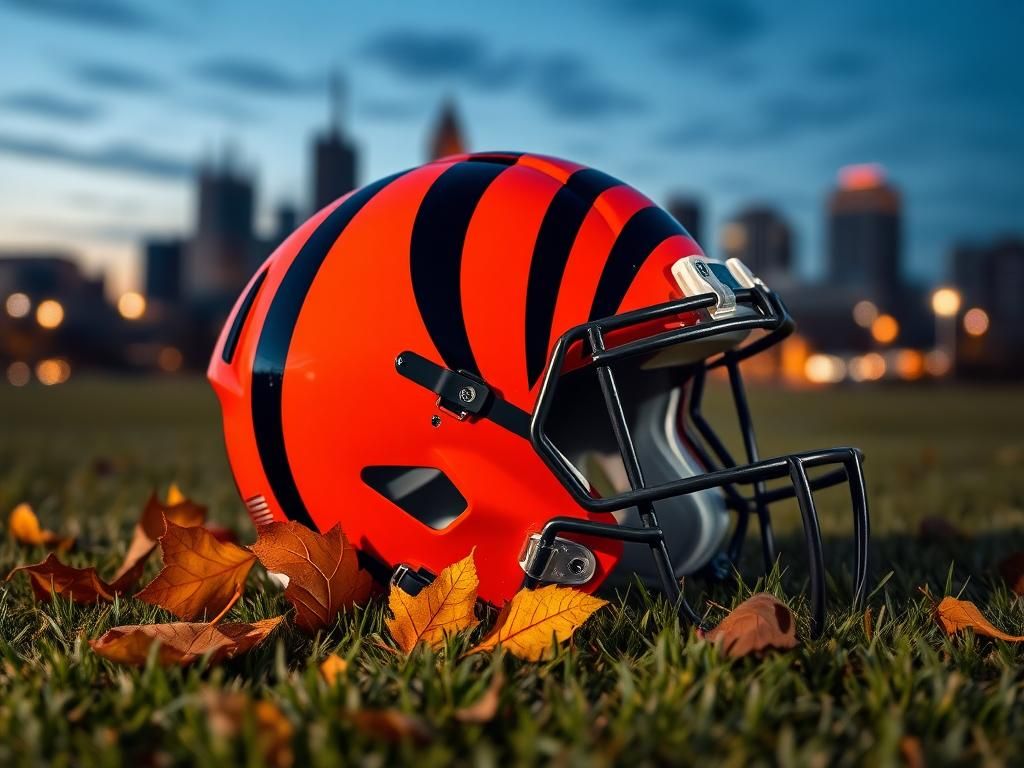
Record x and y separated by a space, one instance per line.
484 709
150 527
200 575
957 615
758 623
323 571
533 617
443 607
1012 571
391 725
182 643
333 668
24 527
51 577
912 752
227 713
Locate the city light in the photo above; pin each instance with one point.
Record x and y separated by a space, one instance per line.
734 237
909 364
976 321
49 313
861 176
52 371
885 329
937 362
18 305
869 367
864 313
824 369
131 305
946 302
19 374
169 359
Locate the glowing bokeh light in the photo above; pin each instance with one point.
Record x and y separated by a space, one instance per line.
49 313
824 369
910 364
861 176
885 329
50 372
946 302
169 359
976 321
869 367
131 305
19 374
864 313
937 362
18 305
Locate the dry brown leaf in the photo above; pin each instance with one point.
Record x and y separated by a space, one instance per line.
177 509
869 624
443 607
24 527
227 712
528 622
485 708
935 528
758 623
911 752
391 725
1012 571
323 571
200 575
52 577
181 642
333 668
957 615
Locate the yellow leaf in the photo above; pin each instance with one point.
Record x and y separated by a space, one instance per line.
200 574
175 496
957 615
24 527
533 617
333 668
443 607
758 623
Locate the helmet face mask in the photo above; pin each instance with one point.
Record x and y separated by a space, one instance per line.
507 352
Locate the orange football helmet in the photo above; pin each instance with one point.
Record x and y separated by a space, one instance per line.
505 353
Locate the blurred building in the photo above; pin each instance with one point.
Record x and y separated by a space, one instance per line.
447 138
865 234
162 269
686 210
763 240
334 158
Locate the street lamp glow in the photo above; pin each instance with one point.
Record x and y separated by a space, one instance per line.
864 313
131 305
824 369
976 321
946 302
885 329
49 313
18 305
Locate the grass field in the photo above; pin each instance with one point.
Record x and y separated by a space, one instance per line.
632 689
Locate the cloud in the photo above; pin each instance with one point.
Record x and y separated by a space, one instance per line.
116 77
52 106
124 157
110 14
715 23
390 109
840 64
567 88
254 76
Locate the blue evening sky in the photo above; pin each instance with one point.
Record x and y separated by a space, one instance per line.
107 105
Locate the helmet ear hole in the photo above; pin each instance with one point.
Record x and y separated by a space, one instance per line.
425 493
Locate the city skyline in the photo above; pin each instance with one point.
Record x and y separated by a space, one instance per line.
98 150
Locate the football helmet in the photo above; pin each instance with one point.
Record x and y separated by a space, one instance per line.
506 352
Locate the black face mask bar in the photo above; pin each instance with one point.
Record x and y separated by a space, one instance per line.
723 471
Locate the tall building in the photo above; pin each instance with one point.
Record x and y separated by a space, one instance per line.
686 210
334 158
447 137
762 239
163 261
864 233
218 260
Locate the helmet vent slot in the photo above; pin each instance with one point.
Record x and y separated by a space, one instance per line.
424 493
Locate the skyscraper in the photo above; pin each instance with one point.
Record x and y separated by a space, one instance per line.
163 269
686 210
334 157
762 239
864 233
447 137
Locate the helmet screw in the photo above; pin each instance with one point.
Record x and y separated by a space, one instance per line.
577 565
467 394
435 420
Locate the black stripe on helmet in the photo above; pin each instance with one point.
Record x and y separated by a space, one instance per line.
646 230
276 337
438 237
558 231
502 158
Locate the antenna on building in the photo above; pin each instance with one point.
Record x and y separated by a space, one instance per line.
336 95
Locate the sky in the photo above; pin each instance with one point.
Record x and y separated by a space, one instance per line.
108 106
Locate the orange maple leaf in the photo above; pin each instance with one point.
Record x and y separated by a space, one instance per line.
534 617
200 574
443 607
151 526
24 527
52 577
323 571
758 623
181 642
957 615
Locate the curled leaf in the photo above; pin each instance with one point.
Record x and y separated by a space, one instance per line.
151 526
443 607
755 625
24 527
957 615
52 577
533 618
391 725
333 668
200 575
323 571
181 643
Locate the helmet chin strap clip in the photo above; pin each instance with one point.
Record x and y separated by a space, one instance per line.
564 562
